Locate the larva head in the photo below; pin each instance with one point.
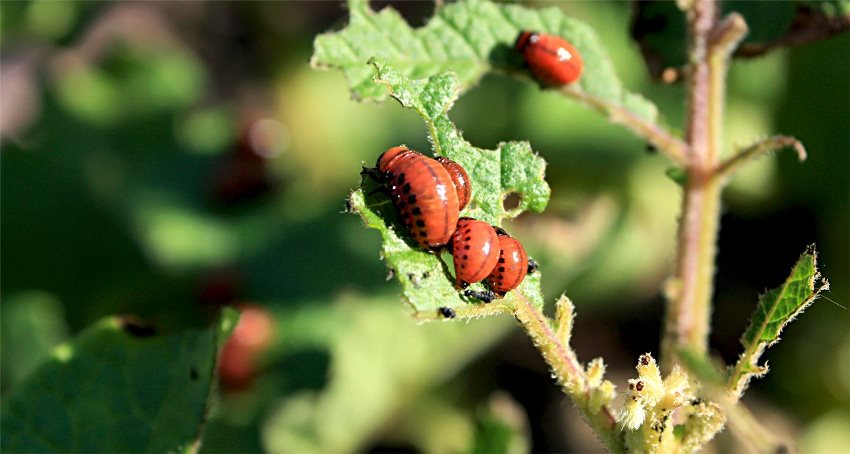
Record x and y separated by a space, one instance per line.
524 39
388 158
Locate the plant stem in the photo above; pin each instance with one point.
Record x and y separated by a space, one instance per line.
760 148
689 309
568 371
654 133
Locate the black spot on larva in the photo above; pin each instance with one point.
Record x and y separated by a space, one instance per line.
639 386
500 277
468 238
417 211
467 230
466 247
405 188
423 234
400 179
462 266
401 206
465 257
193 373
501 260
420 223
501 269
411 198
644 359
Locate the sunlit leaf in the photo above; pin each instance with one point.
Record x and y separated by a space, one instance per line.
513 168
775 309
469 38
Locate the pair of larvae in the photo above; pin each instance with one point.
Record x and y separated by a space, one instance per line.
429 195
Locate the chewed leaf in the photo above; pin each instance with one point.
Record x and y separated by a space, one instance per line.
426 280
117 388
469 38
776 309
513 168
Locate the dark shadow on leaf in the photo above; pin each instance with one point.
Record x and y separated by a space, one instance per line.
504 57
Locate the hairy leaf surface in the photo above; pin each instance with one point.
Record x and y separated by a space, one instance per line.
513 168
775 310
469 38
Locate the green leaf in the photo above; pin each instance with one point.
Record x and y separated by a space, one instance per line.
776 309
32 324
513 168
502 427
470 38
117 389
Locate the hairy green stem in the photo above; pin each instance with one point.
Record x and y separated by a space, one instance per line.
661 138
689 307
762 147
568 371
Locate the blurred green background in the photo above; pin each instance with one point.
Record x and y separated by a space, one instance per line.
159 158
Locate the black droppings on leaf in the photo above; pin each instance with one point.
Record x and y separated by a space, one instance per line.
447 312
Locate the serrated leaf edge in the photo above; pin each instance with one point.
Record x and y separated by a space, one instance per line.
747 365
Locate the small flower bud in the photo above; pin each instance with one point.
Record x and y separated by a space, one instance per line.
677 389
595 372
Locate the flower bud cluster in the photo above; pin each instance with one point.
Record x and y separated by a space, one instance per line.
650 399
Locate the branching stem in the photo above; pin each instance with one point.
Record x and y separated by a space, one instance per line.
568 371
661 138
689 307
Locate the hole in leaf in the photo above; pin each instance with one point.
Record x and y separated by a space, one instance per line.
414 13
511 201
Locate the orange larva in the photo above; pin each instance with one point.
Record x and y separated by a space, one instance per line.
551 59
475 249
511 267
424 193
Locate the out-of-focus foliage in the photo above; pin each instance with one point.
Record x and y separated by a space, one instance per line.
659 26
32 325
117 387
121 216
